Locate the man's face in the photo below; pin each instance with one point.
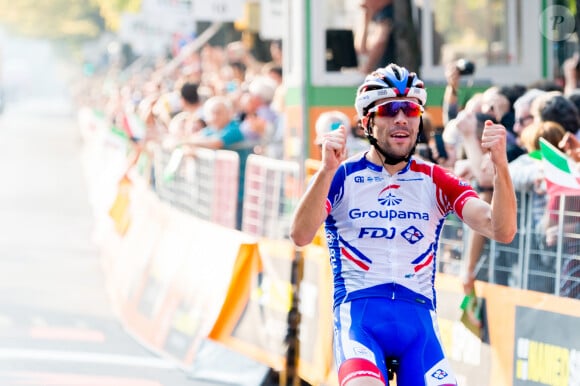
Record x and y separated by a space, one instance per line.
218 116
523 118
396 124
250 102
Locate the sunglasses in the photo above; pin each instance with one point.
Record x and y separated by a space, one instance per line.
522 121
391 109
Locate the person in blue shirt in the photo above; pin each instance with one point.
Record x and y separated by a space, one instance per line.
223 132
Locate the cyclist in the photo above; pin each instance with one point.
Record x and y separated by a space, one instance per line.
383 211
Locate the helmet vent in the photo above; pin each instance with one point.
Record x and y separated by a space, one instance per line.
396 72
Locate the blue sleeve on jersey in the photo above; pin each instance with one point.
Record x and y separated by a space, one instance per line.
336 191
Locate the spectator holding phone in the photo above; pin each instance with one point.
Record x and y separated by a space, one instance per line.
453 73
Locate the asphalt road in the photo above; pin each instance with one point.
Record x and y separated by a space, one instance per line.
57 326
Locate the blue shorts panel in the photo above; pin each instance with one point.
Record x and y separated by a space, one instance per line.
377 329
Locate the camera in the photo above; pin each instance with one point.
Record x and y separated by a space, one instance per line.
465 67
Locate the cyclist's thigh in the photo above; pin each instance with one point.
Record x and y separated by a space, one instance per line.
357 354
425 364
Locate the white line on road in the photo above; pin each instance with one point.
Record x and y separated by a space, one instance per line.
86 357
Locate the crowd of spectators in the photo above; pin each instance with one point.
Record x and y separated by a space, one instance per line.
529 112
217 98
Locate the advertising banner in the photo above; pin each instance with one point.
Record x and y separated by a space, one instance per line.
547 348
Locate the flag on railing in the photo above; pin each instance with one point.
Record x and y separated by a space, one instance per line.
471 307
561 173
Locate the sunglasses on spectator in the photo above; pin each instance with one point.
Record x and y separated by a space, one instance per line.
391 109
522 121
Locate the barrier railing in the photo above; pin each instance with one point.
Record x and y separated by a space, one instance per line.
527 262
205 185
271 193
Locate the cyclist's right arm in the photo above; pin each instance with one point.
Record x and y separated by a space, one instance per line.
314 206
312 209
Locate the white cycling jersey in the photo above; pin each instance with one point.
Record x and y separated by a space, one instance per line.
383 230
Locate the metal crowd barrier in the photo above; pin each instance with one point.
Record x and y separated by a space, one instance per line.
272 189
206 186
527 262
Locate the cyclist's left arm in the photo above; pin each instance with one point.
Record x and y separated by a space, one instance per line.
498 220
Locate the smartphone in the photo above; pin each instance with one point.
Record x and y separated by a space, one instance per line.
440 145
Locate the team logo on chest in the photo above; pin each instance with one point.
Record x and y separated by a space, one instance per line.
387 196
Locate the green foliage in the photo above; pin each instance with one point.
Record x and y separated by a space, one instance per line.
111 10
66 20
573 5
50 19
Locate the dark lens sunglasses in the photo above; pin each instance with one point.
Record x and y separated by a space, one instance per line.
522 121
391 109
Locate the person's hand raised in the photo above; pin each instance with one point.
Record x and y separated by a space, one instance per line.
493 140
569 67
334 148
571 146
452 76
466 123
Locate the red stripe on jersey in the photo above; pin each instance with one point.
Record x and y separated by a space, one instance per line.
327 206
418 267
354 260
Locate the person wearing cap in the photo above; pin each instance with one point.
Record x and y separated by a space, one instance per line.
331 120
383 212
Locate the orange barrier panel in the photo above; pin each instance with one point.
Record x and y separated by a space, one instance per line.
168 278
316 358
532 336
261 329
126 259
264 297
119 211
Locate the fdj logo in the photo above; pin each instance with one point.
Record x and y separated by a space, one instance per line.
377 233
439 374
359 179
412 235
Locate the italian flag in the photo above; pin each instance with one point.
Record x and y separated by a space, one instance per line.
561 173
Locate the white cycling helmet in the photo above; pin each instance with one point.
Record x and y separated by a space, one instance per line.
391 81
